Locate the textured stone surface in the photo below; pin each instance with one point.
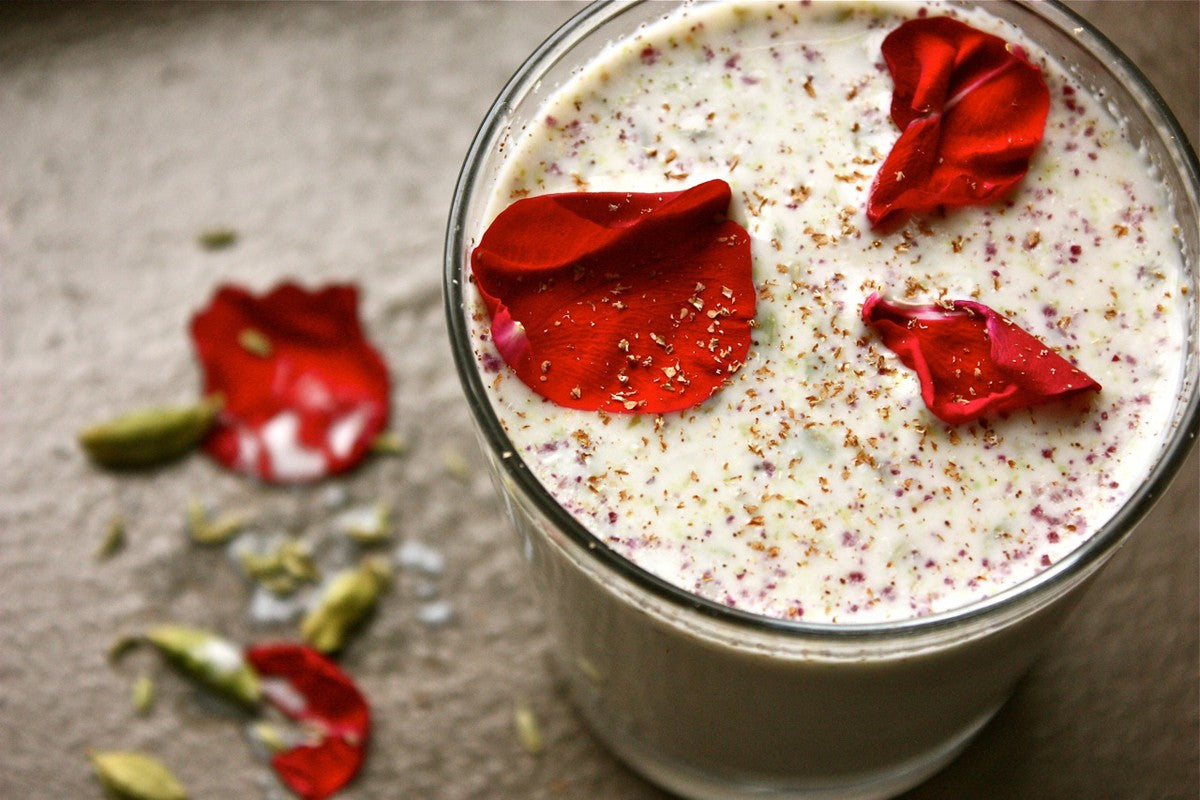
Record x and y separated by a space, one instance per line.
330 136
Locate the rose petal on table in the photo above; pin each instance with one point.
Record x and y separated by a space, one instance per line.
313 690
305 392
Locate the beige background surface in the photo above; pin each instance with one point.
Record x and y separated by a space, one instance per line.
330 136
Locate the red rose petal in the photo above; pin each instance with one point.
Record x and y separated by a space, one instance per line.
972 110
619 301
971 361
318 694
305 393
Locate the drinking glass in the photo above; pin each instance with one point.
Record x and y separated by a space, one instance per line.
712 702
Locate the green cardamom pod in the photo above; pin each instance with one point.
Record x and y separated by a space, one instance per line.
150 436
209 659
134 776
346 602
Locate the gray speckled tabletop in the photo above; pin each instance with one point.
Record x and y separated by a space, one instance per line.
329 137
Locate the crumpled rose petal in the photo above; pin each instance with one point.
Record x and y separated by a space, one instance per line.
971 109
970 360
311 689
617 301
305 393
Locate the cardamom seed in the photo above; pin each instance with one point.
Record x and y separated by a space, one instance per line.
134 776
150 436
202 530
255 342
347 601
210 660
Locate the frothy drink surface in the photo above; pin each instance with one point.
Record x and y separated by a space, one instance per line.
816 485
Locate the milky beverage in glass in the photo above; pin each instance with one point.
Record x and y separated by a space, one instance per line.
808 586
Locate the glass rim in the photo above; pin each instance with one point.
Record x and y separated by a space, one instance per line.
1060 576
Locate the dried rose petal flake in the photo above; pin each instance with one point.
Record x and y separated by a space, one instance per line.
971 361
614 301
971 109
311 689
308 399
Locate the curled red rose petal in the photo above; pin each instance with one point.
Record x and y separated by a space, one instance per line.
305 393
971 361
971 109
311 689
618 301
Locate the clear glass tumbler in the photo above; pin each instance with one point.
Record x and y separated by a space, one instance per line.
711 702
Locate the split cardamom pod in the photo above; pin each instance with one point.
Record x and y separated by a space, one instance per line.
210 660
349 598
150 436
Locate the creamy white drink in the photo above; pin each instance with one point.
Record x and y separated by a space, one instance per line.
817 486
808 586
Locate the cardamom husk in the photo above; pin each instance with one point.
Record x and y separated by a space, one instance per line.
255 342
268 736
203 530
142 694
284 569
347 601
456 465
121 646
389 444
529 733
210 660
217 238
128 775
114 539
150 436
367 526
